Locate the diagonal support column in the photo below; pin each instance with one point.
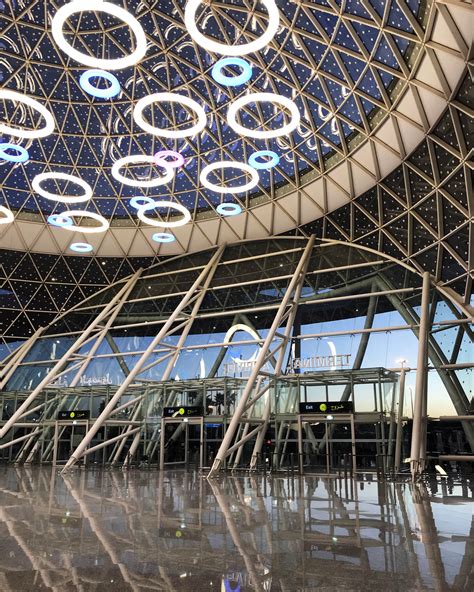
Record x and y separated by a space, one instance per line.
10 367
189 296
244 399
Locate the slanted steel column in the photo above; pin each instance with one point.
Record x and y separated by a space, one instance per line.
264 351
190 294
64 359
417 459
399 437
9 368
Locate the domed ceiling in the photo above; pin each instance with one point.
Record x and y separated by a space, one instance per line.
365 81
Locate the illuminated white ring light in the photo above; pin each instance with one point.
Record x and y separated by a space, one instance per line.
81 247
163 237
229 164
143 158
94 5
260 98
22 155
164 204
36 185
135 201
221 78
7 215
256 163
60 220
176 162
171 98
231 50
229 209
104 225
102 93
34 104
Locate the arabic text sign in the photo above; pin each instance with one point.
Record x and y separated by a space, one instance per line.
328 407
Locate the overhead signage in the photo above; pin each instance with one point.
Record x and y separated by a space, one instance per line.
74 414
336 361
328 407
183 411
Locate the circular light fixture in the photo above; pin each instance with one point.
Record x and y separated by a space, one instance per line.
134 202
36 185
229 164
94 5
163 237
60 220
34 104
171 98
221 78
7 216
256 163
137 158
102 93
81 247
164 204
259 98
229 209
22 155
104 225
231 50
178 159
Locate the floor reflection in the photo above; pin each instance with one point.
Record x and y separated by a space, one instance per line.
174 531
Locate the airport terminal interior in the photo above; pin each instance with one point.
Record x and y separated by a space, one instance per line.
236 310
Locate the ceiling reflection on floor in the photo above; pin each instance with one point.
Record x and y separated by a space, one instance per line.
175 531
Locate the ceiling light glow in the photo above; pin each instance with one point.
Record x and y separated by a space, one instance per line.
171 98
163 237
20 156
135 201
161 223
104 224
36 186
229 164
232 50
34 104
94 5
256 162
221 78
243 101
60 220
102 93
141 158
162 157
6 215
81 247
229 209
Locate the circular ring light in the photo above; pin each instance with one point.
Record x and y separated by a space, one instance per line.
137 158
60 220
134 202
259 98
231 50
102 93
229 209
22 155
36 185
34 104
104 225
7 216
256 163
178 159
163 237
221 78
93 5
171 98
164 204
229 164
81 247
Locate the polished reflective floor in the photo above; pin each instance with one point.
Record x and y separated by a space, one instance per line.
174 531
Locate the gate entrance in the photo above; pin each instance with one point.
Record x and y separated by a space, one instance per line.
68 435
181 442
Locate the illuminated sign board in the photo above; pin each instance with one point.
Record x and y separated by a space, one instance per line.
74 414
183 412
328 407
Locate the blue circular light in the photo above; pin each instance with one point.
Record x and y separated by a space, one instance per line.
81 247
23 155
265 164
134 202
228 209
163 237
60 220
220 78
101 93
